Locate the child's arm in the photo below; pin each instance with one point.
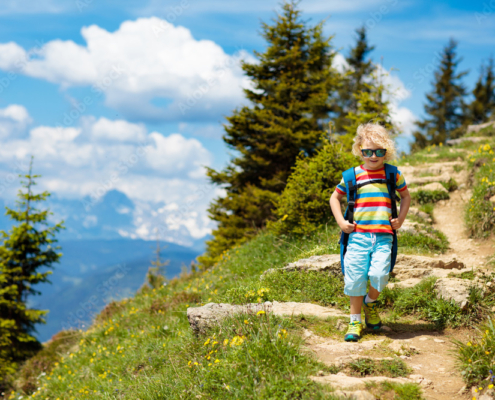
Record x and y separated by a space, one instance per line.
405 201
346 226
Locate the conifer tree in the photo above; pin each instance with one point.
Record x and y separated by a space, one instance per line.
289 105
445 103
356 74
25 254
156 273
482 108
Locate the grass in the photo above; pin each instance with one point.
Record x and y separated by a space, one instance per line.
432 241
476 356
368 367
311 286
428 196
480 212
433 154
421 301
396 391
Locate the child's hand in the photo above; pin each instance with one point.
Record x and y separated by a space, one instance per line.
396 223
347 227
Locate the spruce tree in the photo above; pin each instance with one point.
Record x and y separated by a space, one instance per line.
482 108
356 74
25 254
445 103
286 117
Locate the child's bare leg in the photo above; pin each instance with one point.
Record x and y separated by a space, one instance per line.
373 293
356 303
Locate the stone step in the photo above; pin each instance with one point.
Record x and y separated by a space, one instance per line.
200 318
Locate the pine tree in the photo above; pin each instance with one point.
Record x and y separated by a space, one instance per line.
25 254
289 106
445 103
482 108
156 273
356 74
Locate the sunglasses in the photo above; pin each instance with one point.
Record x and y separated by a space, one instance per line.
378 152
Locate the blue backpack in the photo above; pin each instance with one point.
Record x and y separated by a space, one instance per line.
351 189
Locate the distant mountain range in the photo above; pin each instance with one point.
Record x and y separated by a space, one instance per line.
93 272
104 255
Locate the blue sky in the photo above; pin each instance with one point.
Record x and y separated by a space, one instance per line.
86 85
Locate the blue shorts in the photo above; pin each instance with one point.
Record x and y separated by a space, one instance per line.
368 256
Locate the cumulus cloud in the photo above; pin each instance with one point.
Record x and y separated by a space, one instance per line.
14 120
144 63
152 169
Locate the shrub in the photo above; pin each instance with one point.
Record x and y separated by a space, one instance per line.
450 185
429 196
304 203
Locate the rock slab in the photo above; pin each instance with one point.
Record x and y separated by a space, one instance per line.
329 263
454 289
200 318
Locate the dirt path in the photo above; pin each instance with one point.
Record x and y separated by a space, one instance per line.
431 361
449 219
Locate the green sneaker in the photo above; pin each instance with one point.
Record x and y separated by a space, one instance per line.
354 331
372 319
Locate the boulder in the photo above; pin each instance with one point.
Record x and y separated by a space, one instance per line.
434 186
329 263
445 177
412 261
476 128
492 199
454 142
405 284
200 318
420 214
454 289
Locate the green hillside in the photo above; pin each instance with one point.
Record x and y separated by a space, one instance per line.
144 348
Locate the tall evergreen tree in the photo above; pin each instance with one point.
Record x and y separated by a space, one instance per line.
445 103
372 106
356 74
482 108
289 103
25 254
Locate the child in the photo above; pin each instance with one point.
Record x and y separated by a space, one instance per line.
369 247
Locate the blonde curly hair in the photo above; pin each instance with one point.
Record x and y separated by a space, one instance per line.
376 134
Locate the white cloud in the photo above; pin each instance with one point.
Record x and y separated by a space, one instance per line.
144 60
340 63
79 161
120 131
14 120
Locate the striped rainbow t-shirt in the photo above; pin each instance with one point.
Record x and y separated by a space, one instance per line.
372 207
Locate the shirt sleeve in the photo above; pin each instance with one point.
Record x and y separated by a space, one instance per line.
341 187
400 182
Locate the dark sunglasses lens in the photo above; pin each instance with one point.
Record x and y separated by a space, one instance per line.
367 153
380 153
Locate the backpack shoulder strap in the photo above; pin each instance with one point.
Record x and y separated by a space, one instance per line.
391 176
351 190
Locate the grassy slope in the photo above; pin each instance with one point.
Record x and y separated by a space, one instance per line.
142 348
